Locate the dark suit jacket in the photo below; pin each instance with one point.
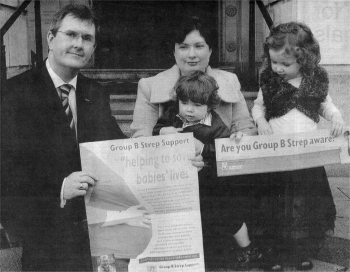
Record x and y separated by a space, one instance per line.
38 151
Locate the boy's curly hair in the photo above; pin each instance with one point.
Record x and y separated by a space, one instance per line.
297 40
199 88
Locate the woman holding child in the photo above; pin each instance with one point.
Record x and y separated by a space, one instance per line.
192 51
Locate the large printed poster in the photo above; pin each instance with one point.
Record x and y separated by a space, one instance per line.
144 209
286 152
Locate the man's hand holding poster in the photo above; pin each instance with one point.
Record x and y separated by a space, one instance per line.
273 153
145 205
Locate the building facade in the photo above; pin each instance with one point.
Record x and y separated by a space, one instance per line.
133 42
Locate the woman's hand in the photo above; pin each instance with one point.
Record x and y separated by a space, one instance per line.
337 125
198 145
169 130
264 128
197 162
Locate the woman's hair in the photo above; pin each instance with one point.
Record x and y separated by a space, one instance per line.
199 88
297 40
186 25
81 12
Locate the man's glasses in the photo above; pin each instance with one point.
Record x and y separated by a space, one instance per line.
72 35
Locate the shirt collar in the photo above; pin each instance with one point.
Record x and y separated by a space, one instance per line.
57 81
205 121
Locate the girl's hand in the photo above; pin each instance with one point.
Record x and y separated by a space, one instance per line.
264 128
169 130
337 126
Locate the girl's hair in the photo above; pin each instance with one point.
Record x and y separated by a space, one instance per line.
186 25
81 12
199 88
295 39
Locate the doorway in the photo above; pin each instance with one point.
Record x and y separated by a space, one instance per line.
133 33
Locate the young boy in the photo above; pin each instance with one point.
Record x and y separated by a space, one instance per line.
196 97
193 111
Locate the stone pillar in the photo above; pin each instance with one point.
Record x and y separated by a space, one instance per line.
229 32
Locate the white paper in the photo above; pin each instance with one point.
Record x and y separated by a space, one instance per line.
152 187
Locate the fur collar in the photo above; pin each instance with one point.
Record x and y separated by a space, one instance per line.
280 97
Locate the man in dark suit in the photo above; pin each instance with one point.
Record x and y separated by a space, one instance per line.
46 113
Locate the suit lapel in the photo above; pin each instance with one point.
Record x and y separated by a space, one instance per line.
51 103
83 95
84 99
63 138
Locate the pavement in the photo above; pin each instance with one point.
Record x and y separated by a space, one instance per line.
334 256
337 247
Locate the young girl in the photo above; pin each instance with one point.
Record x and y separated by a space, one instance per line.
293 93
223 209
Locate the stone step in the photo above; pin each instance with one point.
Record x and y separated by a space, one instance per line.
122 107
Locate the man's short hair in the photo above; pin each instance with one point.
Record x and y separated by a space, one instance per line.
81 12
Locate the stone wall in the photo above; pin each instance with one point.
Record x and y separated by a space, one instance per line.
329 20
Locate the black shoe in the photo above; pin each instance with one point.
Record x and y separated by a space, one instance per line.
304 264
304 249
247 258
270 260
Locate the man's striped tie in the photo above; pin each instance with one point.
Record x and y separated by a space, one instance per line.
65 89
